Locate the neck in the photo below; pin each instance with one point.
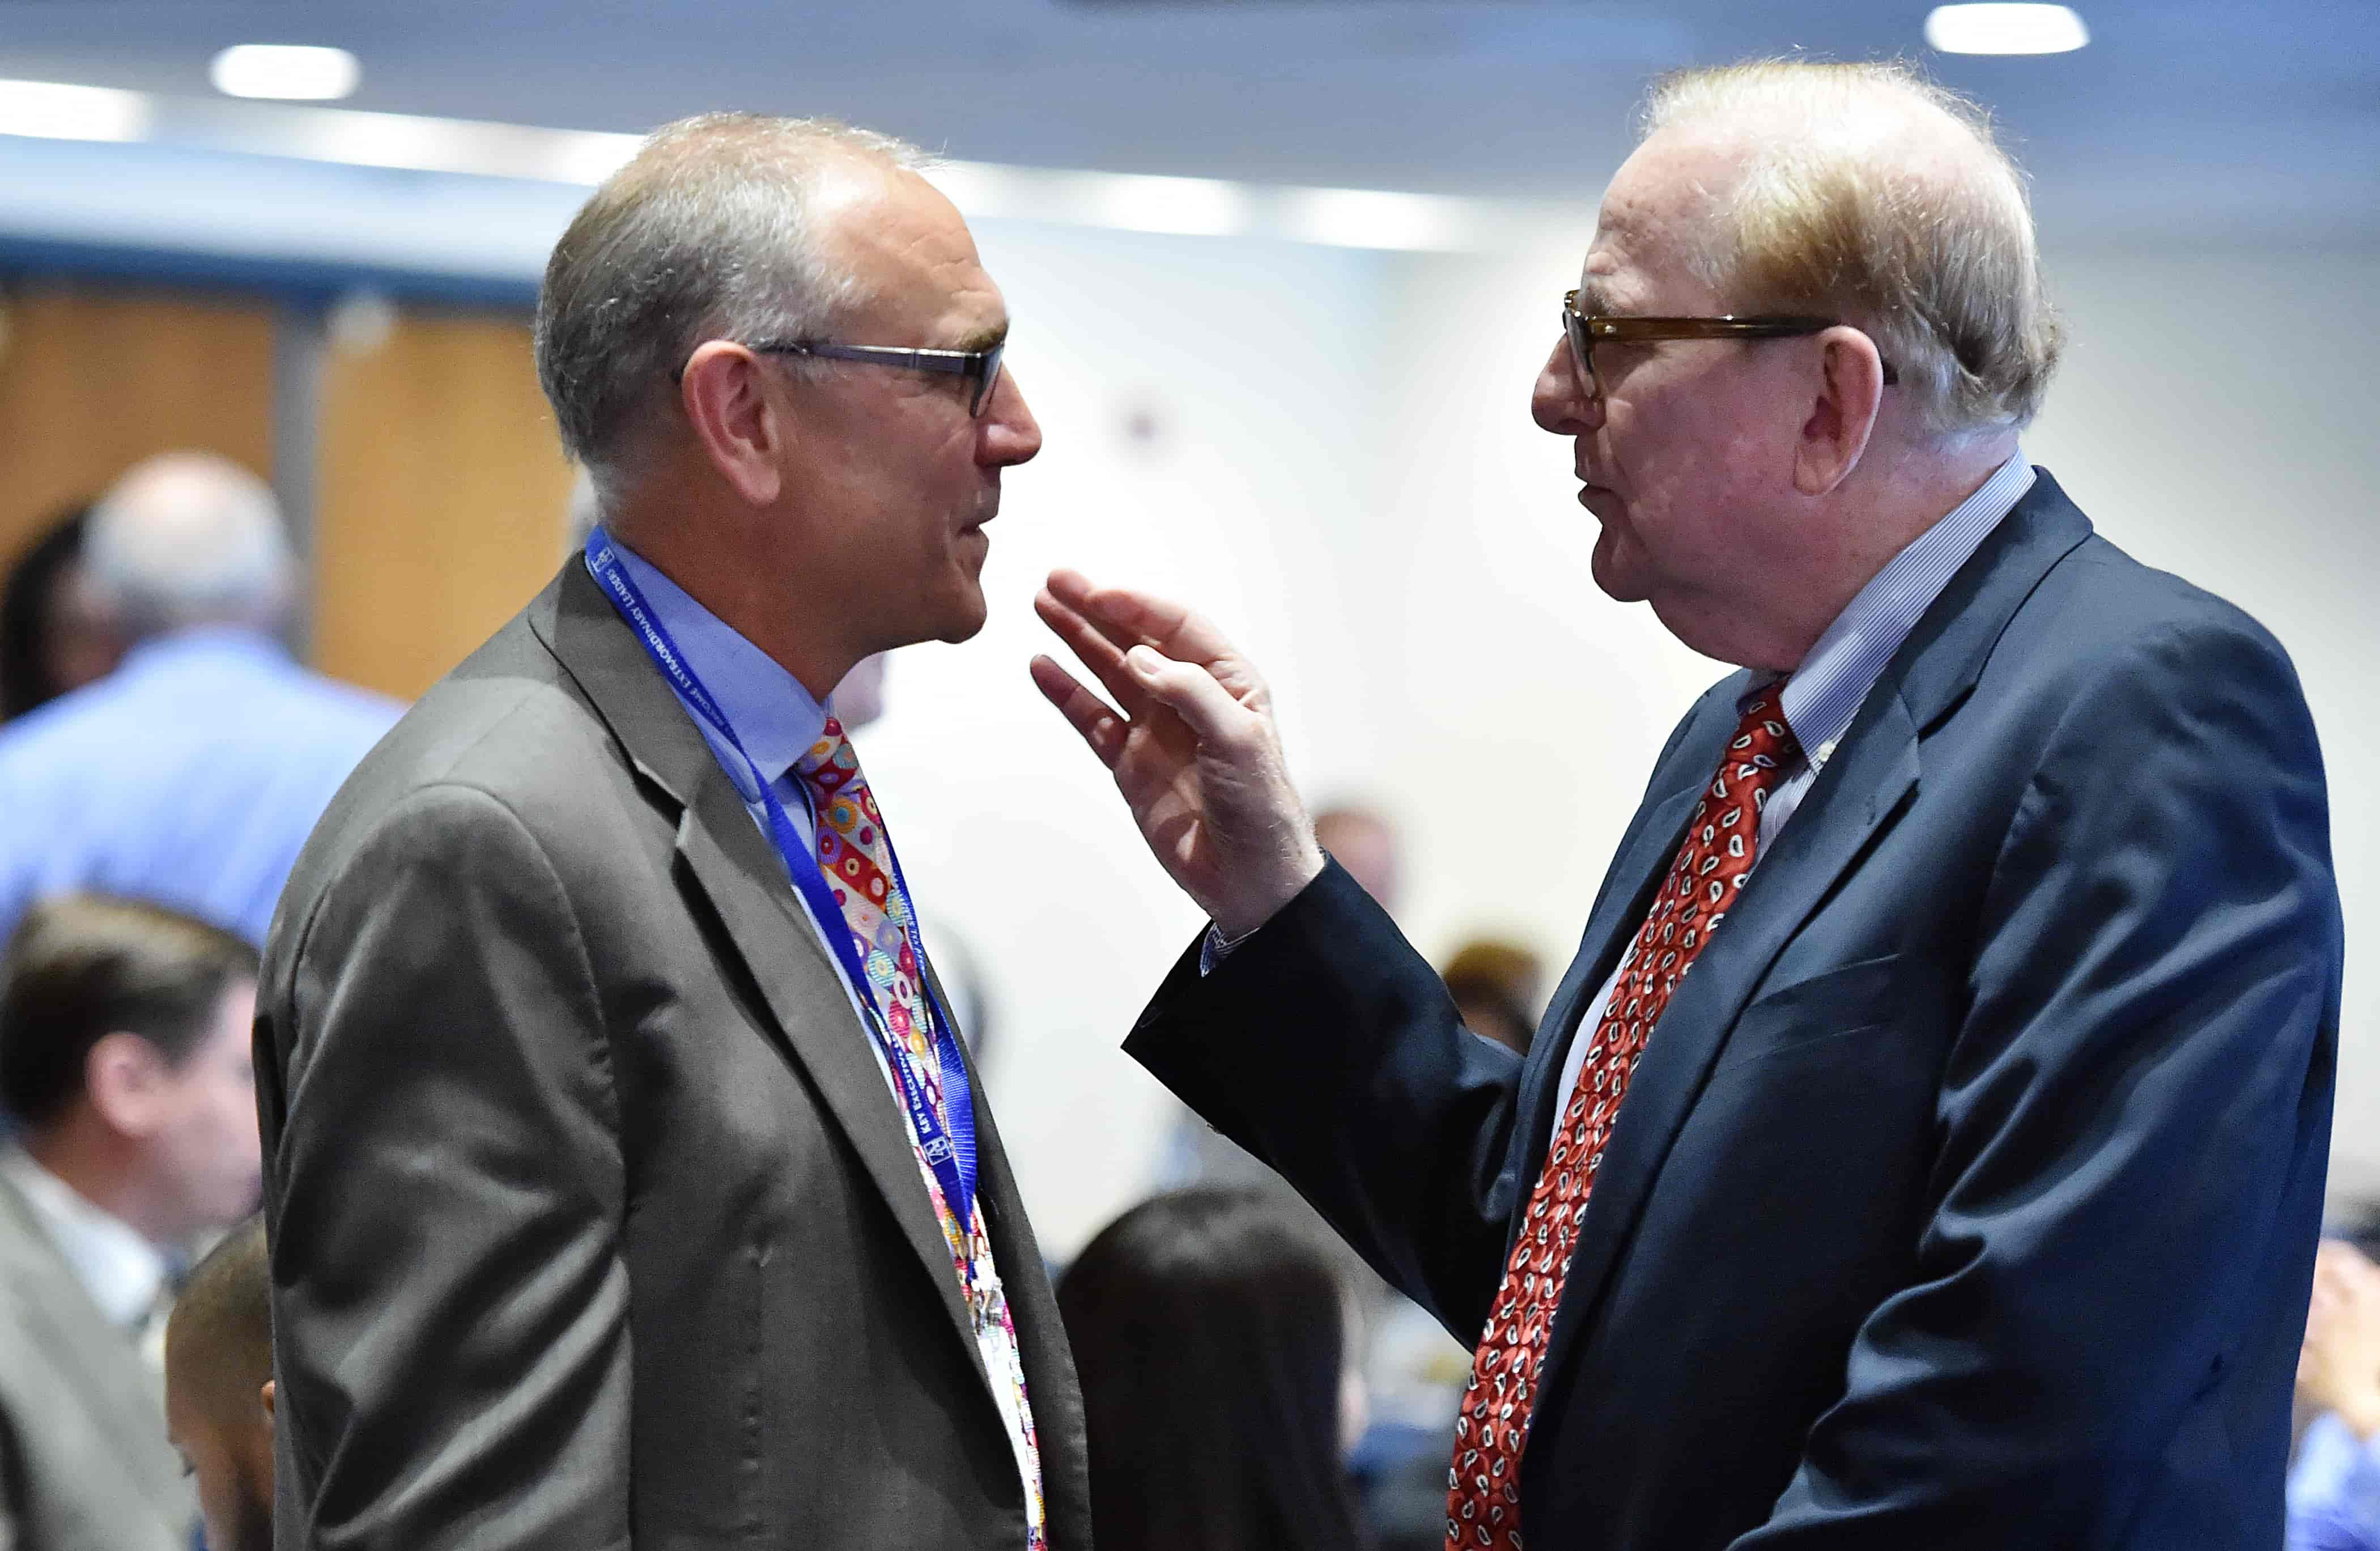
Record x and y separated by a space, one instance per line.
1887 504
740 583
104 1167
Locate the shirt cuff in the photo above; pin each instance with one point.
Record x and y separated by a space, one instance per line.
1214 948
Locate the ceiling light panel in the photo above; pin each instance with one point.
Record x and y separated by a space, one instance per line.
2006 29
289 72
55 111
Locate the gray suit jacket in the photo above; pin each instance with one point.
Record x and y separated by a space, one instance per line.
84 1465
594 1222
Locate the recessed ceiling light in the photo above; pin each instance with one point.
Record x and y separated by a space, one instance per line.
55 110
2006 29
290 71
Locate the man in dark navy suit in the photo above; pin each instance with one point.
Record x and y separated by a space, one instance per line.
1925 1147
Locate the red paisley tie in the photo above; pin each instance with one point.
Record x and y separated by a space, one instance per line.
1483 1504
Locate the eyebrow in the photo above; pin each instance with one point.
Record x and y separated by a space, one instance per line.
1593 303
983 339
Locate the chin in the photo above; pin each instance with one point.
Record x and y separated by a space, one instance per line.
1619 581
965 619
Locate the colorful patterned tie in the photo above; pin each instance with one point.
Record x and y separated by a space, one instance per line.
858 861
1483 1511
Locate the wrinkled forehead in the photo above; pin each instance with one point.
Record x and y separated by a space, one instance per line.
1657 225
912 253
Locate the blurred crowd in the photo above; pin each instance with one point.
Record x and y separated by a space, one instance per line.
1248 1382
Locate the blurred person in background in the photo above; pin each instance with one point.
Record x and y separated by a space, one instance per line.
721 1241
219 1393
1926 1147
123 1036
1367 844
53 634
1210 1335
191 774
1497 986
2333 1489
1411 1370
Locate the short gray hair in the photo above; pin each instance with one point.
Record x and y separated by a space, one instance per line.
708 233
189 539
1835 213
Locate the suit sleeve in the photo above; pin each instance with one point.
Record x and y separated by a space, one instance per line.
445 1191
1329 1050
2131 1128
12 1485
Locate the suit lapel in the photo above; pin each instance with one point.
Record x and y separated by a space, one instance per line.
1869 782
739 872
733 869
1636 871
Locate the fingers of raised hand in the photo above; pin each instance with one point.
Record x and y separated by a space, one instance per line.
1098 650
1101 727
1128 617
1212 713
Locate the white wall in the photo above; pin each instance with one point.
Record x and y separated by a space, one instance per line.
1343 473
2218 417
1242 361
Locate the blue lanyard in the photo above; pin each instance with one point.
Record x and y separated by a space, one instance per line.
948 1151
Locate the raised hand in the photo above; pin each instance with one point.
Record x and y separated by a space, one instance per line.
1193 747
2338 1366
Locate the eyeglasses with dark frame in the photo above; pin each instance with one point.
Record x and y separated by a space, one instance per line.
1586 330
980 369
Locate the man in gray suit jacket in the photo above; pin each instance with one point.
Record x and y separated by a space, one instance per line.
124 1035
617 1196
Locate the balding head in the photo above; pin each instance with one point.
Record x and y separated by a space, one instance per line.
219 1408
189 538
1868 193
220 1338
722 226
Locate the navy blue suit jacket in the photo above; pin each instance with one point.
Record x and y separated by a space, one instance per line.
1966 1195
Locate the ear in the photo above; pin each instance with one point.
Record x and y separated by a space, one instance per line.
267 1395
1850 390
124 1078
736 408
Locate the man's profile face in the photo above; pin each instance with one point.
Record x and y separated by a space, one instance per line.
896 474
204 1151
1686 453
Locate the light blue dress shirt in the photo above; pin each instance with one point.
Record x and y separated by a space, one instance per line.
190 776
771 709
2334 1492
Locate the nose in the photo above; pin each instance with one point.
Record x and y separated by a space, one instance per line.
1562 402
1008 433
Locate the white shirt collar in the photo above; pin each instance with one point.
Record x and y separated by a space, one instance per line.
121 1271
